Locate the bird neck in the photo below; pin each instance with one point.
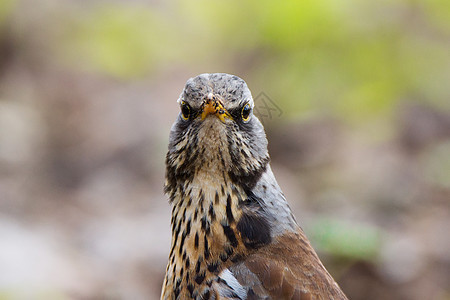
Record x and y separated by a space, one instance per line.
205 235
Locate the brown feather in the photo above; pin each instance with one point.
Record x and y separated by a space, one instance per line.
290 269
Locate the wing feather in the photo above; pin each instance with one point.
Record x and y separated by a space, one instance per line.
288 268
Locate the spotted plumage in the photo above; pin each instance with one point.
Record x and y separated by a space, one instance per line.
233 233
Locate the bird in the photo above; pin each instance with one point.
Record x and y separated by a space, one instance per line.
234 235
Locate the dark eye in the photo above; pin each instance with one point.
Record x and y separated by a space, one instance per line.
246 112
185 110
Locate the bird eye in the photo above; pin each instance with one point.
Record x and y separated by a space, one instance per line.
185 110
246 112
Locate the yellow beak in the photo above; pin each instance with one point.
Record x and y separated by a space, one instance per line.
214 107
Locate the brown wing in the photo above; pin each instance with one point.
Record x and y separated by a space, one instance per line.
288 268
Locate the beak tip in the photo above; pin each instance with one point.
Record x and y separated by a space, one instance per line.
212 106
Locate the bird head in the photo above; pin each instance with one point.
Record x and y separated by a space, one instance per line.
216 132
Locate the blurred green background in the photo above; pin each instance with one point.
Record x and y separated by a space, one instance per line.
354 96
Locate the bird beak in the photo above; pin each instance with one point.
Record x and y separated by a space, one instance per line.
213 106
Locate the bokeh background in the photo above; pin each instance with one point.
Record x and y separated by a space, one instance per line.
354 95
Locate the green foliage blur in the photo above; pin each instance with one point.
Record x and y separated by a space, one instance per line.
346 241
351 59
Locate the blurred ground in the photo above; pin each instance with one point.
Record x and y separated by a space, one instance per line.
355 105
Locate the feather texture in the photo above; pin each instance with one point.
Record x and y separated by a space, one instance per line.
233 233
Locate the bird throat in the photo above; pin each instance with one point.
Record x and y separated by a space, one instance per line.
209 169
